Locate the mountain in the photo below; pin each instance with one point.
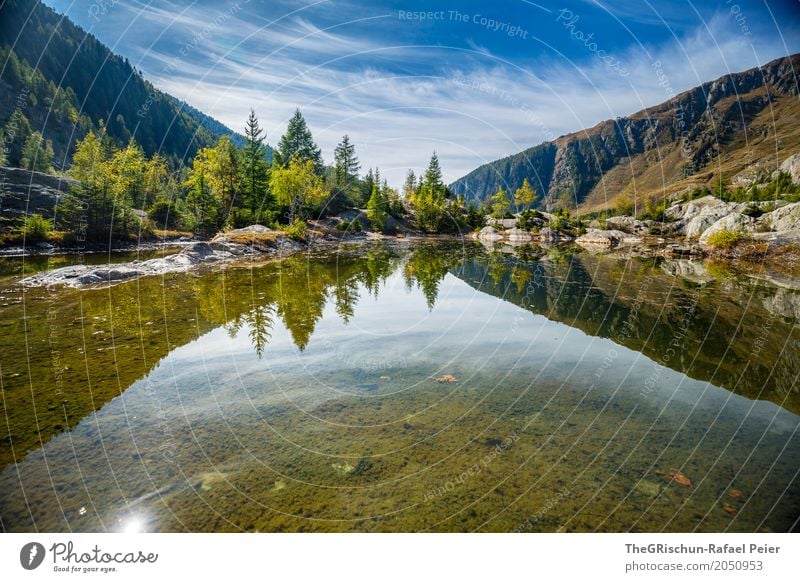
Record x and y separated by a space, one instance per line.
66 82
721 128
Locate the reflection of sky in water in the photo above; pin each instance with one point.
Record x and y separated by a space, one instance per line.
214 418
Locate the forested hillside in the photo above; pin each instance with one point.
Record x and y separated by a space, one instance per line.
60 81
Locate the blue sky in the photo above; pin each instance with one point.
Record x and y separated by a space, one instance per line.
473 80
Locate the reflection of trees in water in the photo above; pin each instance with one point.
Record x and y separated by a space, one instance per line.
426 268
296 290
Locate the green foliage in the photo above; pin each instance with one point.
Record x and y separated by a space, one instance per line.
500 204
202 205
528 219
296 230
624 206
350 225
297 187
345 169
429 202
753 211
475 217
36 228
298 143
37 153
254 181
525 195
376 209
98 208
16 132
3 160
727 239
654 210
166 215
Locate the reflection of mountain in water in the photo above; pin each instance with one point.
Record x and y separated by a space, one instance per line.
65 353
730 333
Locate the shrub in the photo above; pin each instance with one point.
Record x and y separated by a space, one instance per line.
296 230
727 239
752 211
36 228
166 215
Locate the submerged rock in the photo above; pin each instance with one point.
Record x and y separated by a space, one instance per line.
86 275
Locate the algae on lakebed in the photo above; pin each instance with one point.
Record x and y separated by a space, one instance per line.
302 396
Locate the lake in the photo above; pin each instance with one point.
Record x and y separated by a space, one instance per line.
408 386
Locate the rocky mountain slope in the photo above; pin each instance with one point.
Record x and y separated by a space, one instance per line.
721 128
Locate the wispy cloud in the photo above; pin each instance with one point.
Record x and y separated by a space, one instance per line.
400 93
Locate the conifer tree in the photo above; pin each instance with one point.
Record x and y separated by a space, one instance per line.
346 166
298 142
255 179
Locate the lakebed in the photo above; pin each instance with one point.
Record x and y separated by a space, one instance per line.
404 386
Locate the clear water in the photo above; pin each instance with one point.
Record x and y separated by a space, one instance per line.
302 395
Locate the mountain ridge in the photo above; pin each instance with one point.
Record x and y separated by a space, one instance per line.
681 143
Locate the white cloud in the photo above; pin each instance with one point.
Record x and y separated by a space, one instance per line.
487 109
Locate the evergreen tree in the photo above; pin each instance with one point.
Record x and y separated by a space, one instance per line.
366 187
3 160
17 130
37 153
202 204
433 175
298 142
376 209
346 166
255 178
429 202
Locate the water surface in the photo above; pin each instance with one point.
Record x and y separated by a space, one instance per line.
302 395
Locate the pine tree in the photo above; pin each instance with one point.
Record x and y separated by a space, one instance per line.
255 179
202 204
3 160
298 142
376 209
366 187
346 166
429 202
433 175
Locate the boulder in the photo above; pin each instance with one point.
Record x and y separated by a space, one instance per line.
628 224
519 236
252 229
606 238
502 223
489 233
735 221
791 166
784 218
